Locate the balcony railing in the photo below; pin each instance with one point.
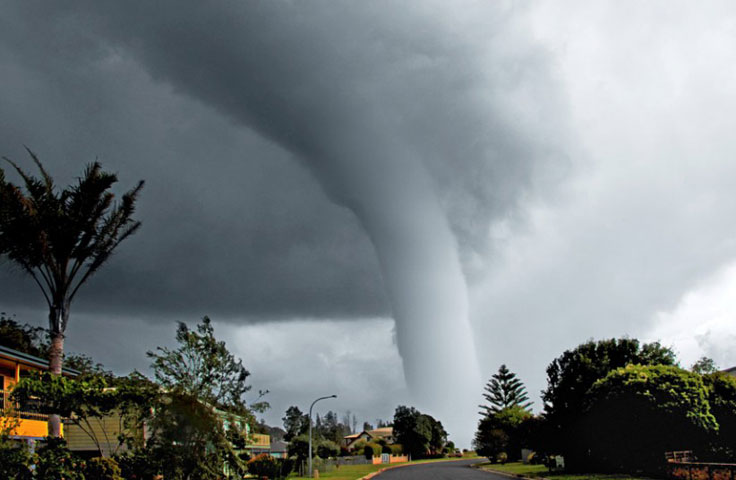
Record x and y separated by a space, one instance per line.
8 408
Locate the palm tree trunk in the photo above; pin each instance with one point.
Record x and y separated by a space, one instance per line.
58 317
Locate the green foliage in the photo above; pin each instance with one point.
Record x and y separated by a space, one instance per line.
327 449
295 423
100 468
571 375
266 466
704 366
503 431
54 461
299 447
504 390
14 459
138 464
636 413
722 399
263 465
370 450
386 449
420 434
24 338
60 238
396 449
202 367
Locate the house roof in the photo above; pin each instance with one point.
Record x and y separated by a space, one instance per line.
31 360
730 371
381 432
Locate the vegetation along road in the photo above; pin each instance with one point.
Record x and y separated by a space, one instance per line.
440 471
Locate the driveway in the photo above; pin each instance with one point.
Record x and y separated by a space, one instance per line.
458 469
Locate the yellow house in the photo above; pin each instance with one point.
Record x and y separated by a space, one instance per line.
23 425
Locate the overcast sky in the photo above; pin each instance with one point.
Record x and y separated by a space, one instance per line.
521 177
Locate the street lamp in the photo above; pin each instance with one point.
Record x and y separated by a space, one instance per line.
310 430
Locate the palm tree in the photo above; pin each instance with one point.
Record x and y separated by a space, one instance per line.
60 238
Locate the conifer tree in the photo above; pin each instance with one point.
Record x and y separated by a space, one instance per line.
504 390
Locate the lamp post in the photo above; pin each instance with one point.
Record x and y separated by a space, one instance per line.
310 430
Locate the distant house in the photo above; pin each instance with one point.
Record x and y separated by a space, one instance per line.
27 425
384 433
731 371
279 449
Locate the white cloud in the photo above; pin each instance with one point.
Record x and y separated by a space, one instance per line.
703 322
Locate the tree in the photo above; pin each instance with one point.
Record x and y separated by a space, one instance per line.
201 381
704 365
722 400
295 423
504 390
571 375
24 338
61 238
638 412
203 368
419 434
502 431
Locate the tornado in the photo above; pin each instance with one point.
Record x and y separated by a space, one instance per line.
382 103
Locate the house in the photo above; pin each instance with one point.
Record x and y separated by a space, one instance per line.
27 425
730 371
383 433
279 449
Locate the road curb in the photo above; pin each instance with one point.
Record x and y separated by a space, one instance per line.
507 474
408 464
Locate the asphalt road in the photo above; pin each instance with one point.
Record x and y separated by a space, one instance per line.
458 469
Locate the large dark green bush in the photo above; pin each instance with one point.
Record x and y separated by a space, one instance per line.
368 451
637 413
503 431
722 399
54 461
101 468
572 374
327 449
14 459
264 465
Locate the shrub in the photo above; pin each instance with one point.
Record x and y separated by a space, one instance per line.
636 413
502 457
386 449
396 449
376 449
54 461
327 449
264 465
100 468
722 399
368 452
137 465
14 459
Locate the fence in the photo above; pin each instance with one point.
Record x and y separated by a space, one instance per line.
701 471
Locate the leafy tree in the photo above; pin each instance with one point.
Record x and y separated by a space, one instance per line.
203 368
419 434
636 413
504 390
327 449
295 423
571 375
61 238
299 447
502 431
188 439
722 400
24 338
704 365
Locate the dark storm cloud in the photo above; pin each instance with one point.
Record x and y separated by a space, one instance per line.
229 223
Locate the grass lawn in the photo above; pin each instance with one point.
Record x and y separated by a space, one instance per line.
353 472
534 471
